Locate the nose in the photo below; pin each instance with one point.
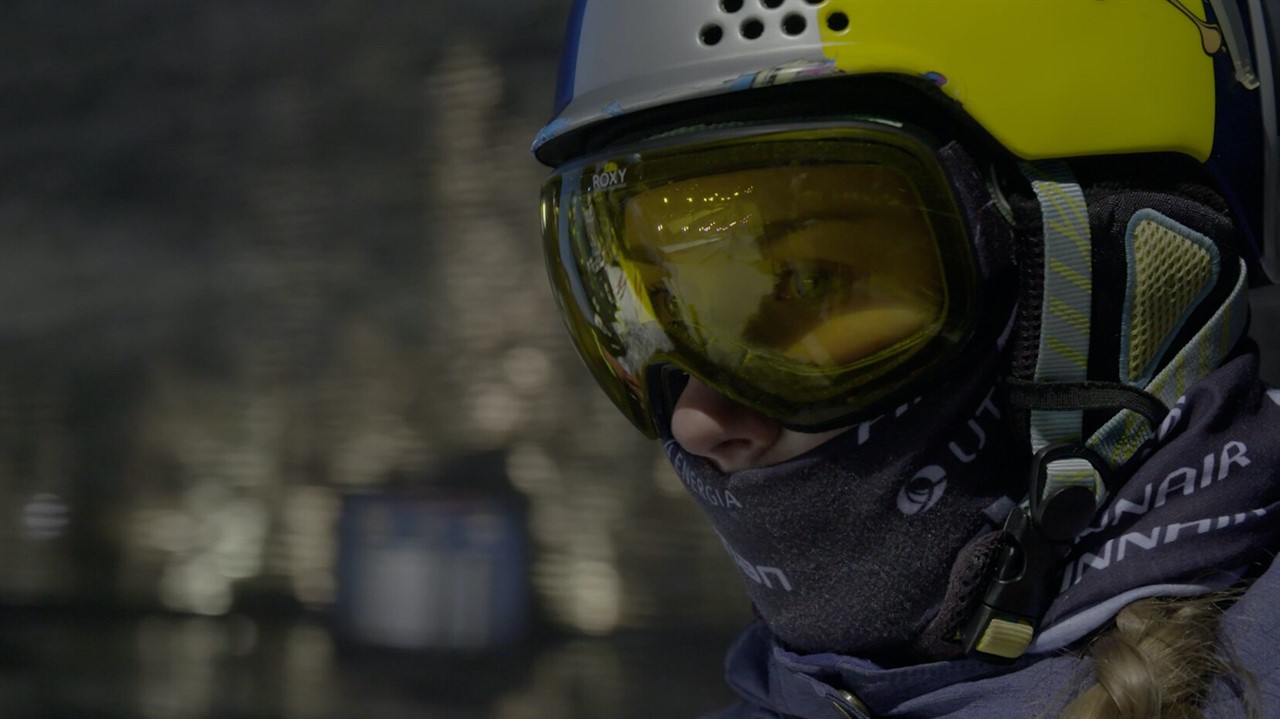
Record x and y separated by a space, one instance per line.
710 425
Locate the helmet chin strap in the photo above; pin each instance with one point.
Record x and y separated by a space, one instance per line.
1072 475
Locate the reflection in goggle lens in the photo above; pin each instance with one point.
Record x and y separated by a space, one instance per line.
803 273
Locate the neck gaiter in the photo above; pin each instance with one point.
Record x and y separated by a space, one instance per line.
850 547
1196 513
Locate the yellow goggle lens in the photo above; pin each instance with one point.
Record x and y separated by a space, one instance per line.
790 261
801 272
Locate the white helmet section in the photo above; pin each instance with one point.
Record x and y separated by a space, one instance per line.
632 55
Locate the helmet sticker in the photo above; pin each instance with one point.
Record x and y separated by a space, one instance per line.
785 73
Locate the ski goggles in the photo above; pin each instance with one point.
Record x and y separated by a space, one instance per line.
809 272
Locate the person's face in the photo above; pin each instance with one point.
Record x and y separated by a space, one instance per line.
733 437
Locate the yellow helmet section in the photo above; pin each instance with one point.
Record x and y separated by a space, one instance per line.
1047 78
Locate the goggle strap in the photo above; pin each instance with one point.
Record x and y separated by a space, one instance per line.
1068 288
1066 311
1093 394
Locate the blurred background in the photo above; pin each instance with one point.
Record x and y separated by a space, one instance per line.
288 423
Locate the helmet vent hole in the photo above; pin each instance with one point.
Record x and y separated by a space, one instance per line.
711 34
752 28
838 22
815 2
771 4
731 6
794 24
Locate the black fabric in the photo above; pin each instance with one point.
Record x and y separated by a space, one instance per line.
992 236
1025 340
1029 256
968 582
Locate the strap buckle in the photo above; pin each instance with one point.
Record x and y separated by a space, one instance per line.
1037 537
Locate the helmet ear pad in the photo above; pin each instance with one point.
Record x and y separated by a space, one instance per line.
1120 193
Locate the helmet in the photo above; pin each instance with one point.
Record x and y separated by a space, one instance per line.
669 115
1045 79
